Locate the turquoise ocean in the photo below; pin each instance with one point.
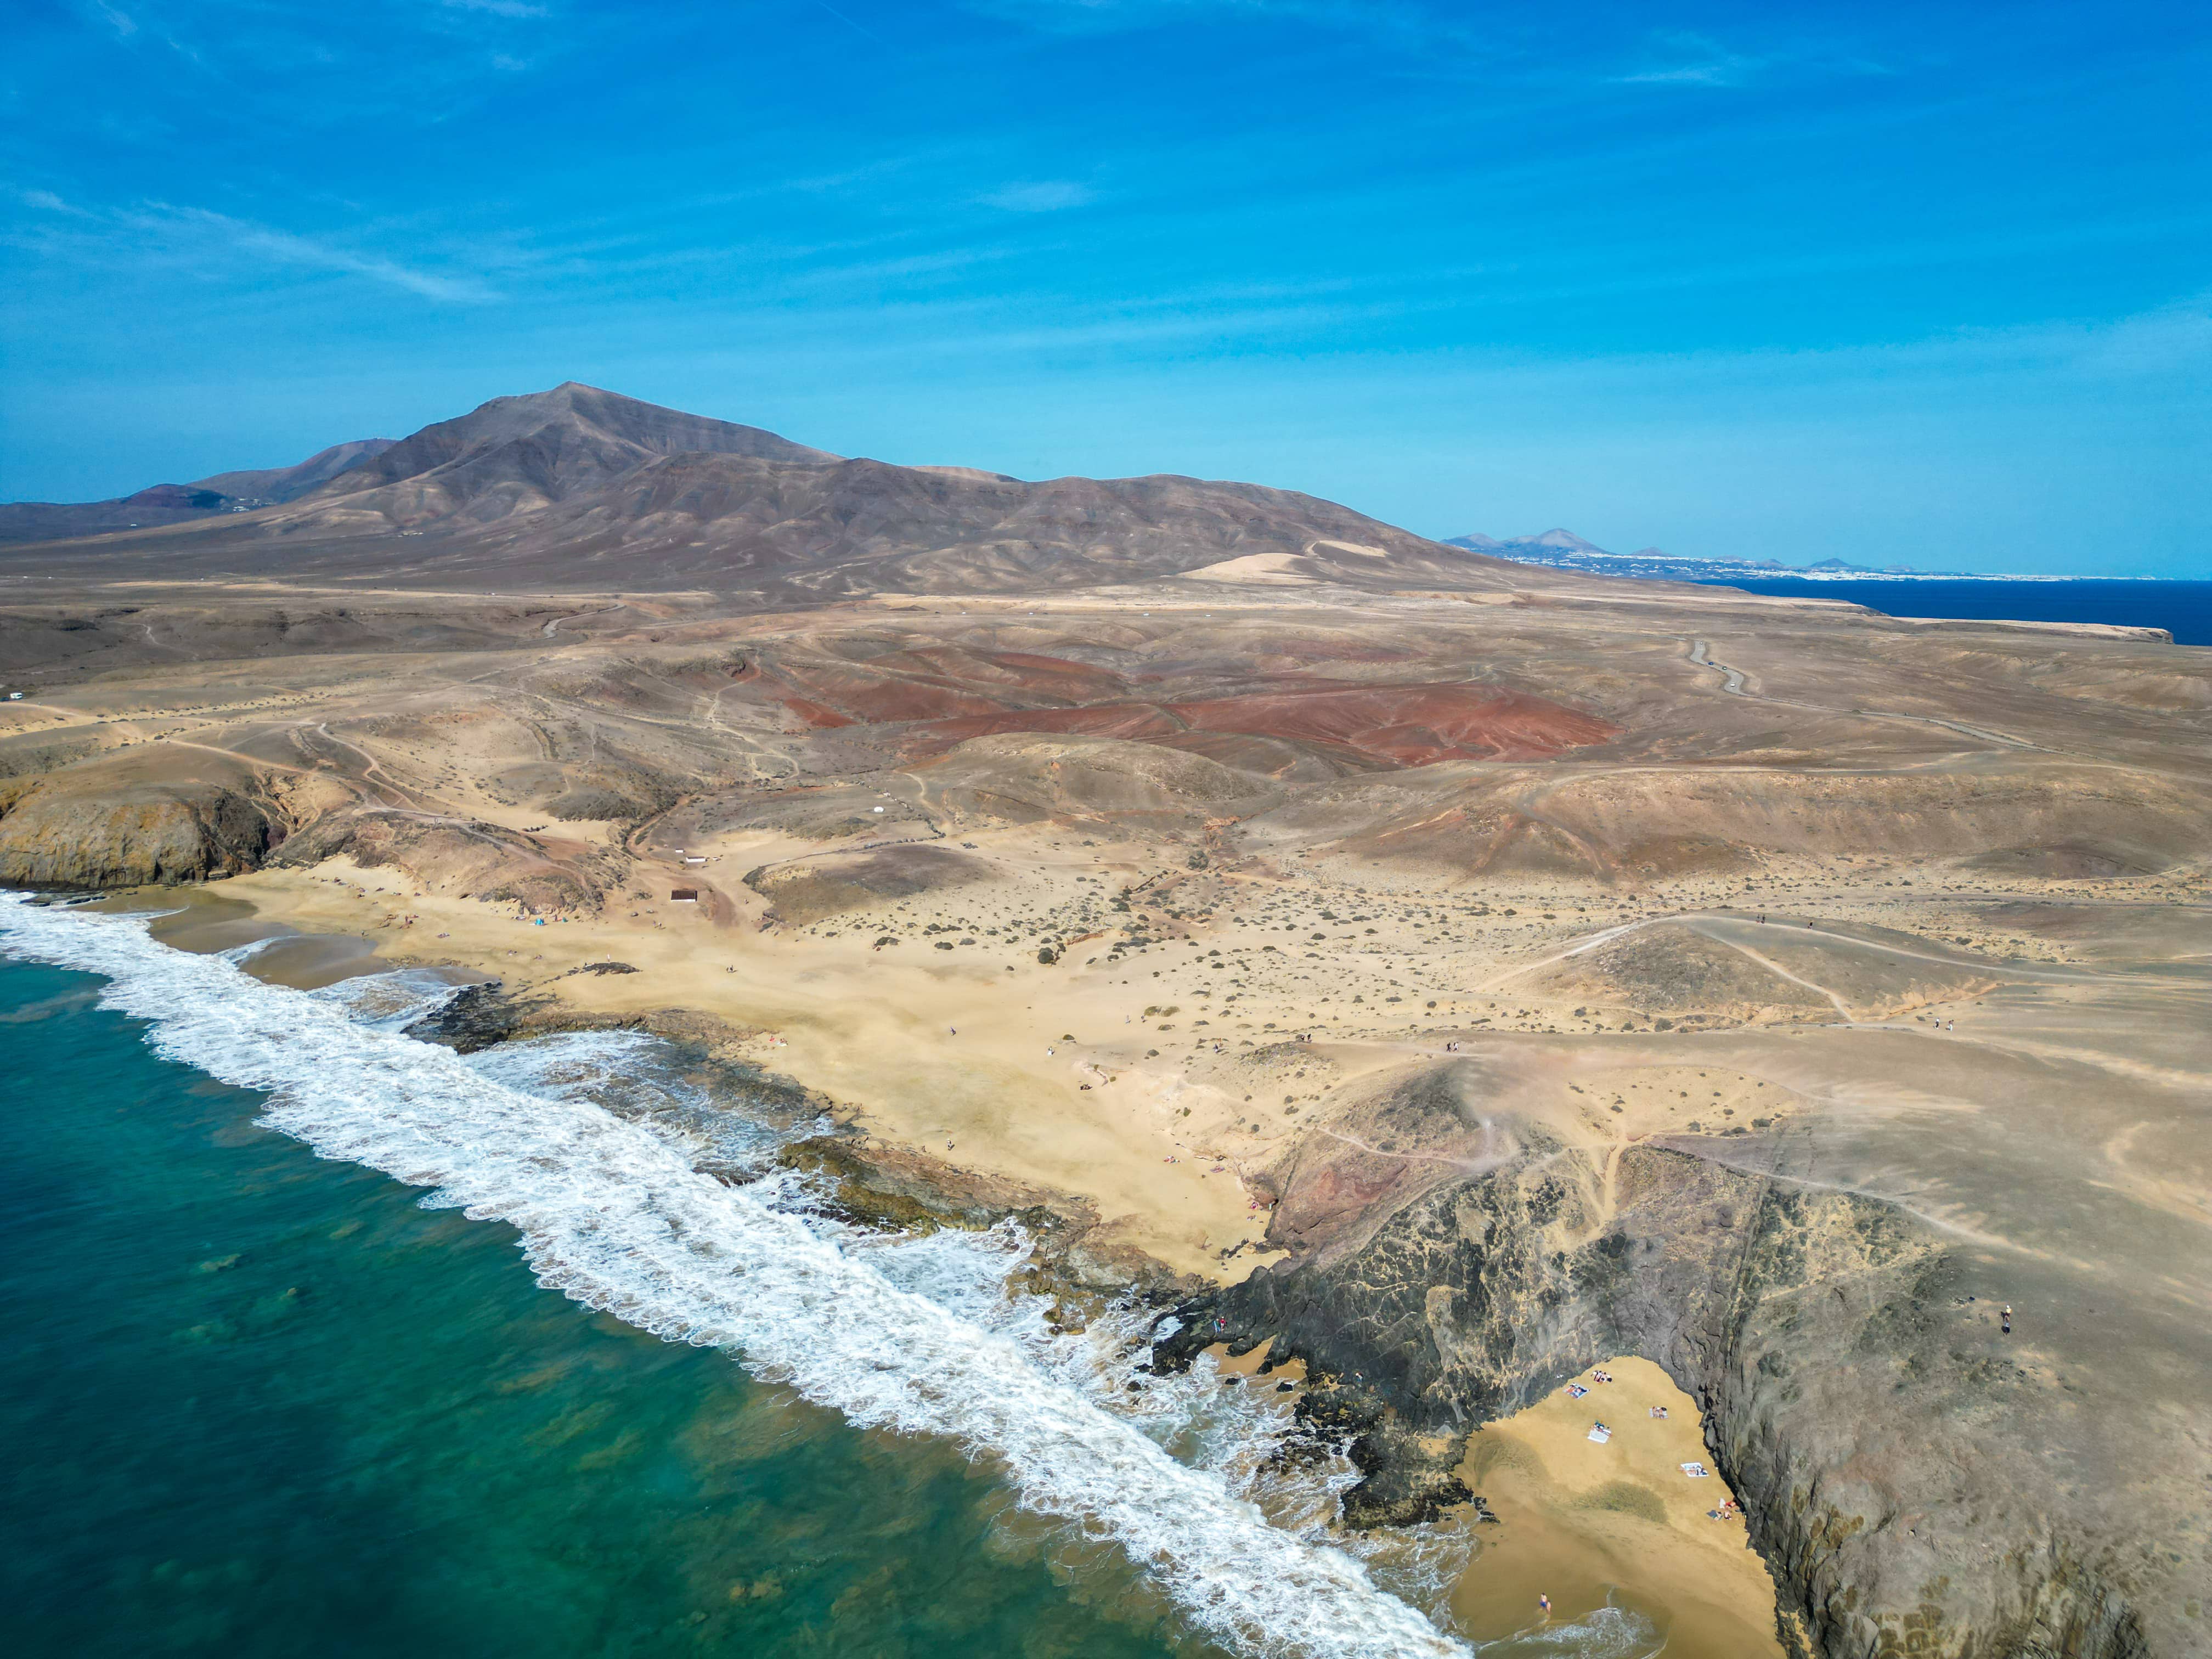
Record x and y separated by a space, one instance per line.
324 1340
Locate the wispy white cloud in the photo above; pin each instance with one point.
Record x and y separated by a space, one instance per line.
1408 21
297 66
145 23
194 236
47 202
851 23
1685 58
497 8
1042 196
118 23
1698 61
281 248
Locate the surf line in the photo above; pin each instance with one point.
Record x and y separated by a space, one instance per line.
617 1220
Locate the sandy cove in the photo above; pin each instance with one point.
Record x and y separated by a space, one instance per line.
1589 1523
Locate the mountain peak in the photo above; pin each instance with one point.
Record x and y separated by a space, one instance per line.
524 451
1563 538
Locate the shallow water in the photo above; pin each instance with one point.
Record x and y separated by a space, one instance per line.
262 1403
276 1403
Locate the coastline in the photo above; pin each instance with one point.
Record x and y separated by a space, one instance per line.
1564 1527
935 1063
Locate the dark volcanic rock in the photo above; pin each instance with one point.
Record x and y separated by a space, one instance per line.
1407 1477
1074 1257
478 1015
475 1017
1923 1527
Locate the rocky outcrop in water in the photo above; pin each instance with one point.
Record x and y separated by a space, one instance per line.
477 1016
1074 1259
1895 1460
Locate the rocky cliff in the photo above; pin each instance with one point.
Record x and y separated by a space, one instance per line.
66 831
1896 1462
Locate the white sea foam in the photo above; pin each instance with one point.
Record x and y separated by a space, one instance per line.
1605 1633
613 1215
387 1001
1235 1431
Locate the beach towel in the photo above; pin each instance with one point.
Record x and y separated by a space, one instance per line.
1696 1471
1601 1434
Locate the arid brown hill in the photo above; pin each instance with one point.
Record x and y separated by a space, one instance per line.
168 504
577 487
288 483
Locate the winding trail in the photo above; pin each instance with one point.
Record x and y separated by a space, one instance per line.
1689 918
1732 679
1734 682
1482 1164
554 626
372 769
1990 1241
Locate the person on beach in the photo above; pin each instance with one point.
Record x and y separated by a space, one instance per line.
1544 1604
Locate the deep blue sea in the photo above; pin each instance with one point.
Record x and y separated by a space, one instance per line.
551 1392
2186 608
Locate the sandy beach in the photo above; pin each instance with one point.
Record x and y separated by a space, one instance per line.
1617 1523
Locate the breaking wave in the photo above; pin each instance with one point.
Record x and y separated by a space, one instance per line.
915 1336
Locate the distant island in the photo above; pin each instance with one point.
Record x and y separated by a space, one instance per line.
1562 549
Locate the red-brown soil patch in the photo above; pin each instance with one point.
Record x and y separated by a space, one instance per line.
864 692
815 714
1397 725
1410 724
1022 671
1137 721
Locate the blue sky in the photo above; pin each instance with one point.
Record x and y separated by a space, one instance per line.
1925 284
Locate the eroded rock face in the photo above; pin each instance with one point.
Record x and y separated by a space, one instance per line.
474 858
129 833
1899 1466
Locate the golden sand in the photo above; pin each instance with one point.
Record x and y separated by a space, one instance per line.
1620 1524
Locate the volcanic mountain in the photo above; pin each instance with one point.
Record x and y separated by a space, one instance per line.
1545 542
169 503
580 488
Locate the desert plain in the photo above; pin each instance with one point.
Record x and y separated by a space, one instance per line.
1448 973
